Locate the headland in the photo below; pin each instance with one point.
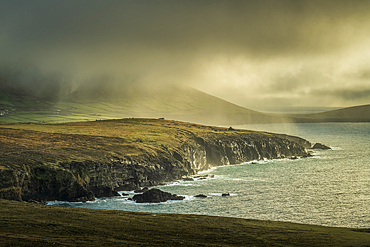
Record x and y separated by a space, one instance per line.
84 160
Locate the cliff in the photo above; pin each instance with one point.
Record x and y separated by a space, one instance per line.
81 161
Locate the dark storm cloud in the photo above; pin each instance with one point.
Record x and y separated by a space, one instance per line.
175 41
251 26
29 80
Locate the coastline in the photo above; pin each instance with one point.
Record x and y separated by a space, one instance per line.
81 161
25 223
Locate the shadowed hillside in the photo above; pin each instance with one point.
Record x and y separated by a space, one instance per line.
26 224
350 114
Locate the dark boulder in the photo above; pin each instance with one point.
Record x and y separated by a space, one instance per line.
201 196
156 196
204 176
320 146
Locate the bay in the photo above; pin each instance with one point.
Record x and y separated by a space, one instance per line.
330 189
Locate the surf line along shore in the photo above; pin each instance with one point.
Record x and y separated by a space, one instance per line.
84 160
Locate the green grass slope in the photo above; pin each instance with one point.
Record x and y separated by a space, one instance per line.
179 103
27 143
172 102
26 224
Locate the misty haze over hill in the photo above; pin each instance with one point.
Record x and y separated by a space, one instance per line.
255 54
101 100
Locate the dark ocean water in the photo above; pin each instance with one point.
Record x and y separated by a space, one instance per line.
331 188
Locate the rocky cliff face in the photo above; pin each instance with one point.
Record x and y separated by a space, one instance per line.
42 183
84 180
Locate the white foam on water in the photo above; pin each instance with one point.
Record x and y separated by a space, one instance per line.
170 184
56 202
131 192
186 185
182 184
209 170
336 148
121 199
51 203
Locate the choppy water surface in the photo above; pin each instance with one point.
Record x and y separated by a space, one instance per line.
331 189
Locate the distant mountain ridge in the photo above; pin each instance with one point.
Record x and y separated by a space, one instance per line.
349 114
182 103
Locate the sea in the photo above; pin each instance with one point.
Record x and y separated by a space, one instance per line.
332 188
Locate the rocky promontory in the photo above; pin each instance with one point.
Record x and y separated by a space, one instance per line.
81 161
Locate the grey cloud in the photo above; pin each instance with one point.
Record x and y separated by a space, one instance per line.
286 83
348 94
254 27
29 80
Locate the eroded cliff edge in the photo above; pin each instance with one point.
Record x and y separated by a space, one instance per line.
81 161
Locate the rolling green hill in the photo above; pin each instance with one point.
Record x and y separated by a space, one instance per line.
172 102
179 103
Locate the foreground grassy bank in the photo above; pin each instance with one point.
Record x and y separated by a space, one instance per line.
27 224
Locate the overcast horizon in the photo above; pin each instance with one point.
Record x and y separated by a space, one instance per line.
252 53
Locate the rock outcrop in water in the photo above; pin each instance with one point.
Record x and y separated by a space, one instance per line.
320 146
156 196
40 176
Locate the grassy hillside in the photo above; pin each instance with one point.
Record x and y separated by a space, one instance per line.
178 103
175 102
26 224
75 161
98 140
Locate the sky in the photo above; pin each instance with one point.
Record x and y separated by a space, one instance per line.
267 53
